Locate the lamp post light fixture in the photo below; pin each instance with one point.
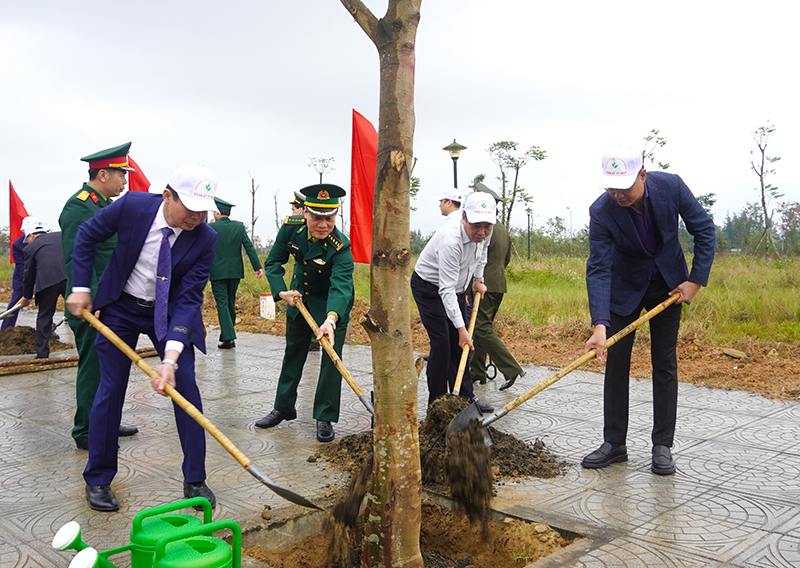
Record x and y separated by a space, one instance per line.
454 149
529 211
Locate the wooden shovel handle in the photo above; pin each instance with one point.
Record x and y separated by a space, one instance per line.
462 365
187 406
591 354
337 362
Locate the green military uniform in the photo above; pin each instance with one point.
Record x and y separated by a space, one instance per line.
228 268
79 208
323 274
485 339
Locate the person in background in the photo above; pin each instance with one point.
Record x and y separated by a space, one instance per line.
17 248
498 255
108 171
153 285
450 203
450 265
228 269
635 263
298 203
323 280
45 277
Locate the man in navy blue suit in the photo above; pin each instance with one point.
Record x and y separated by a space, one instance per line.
146 225
635 263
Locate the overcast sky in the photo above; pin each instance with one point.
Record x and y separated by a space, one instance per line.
258 88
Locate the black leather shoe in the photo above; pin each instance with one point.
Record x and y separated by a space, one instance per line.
482 406
128 430
605 455
199 489
663 462
227 344
276 417
81 445
510 383
101 498
325 431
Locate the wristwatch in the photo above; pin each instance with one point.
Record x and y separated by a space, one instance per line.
170 362
477 279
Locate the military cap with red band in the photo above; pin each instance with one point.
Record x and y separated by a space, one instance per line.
112 158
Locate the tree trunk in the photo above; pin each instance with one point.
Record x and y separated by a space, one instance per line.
394 502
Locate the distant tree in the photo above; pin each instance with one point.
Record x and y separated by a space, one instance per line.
253 216
504 154
416 183
322 165
762 166
744 229
277 215
651 142
708 200
790 226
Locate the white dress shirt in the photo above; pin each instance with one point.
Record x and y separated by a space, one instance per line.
449 261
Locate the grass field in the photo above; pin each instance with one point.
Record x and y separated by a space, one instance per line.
745 298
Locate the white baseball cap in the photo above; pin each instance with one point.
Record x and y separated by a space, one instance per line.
195 186
29 223
481 208
620 168
450 193
33 228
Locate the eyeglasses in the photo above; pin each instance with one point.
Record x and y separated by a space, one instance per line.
612 190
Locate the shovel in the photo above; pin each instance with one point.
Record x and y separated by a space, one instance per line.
11 311
472 412
337 362
462 366
192 411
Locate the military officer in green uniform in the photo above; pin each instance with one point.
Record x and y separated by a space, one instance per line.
323 279
107 179
228 269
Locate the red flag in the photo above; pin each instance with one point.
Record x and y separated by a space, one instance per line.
362 187
137 181
16 213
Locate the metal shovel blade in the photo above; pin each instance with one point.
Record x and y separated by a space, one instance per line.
256 472
462 420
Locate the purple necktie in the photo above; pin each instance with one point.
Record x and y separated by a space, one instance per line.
163 272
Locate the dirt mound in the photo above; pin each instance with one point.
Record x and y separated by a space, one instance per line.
21 340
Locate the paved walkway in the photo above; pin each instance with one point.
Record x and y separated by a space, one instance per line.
735 500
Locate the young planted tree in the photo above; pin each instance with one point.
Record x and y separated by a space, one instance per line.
504 154
253 216
651 142
394 502
762 166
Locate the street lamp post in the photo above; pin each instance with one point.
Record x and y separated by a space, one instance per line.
454 149
529 211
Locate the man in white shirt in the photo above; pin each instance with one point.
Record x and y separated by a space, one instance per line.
452 261
450 203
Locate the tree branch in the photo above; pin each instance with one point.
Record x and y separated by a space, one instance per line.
364 17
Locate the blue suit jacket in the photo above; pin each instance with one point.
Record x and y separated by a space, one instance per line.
192 256
619 267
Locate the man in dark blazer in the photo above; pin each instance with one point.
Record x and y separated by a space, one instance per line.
17 253
228 269
486 341
44 273
148 227
635 263
323 279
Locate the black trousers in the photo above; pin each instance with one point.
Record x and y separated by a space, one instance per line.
445 354
46 300
663 342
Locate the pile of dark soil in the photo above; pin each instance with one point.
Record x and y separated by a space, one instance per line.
21 340
447 540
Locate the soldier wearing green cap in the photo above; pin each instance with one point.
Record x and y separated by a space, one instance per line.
323 279
228 269
107 179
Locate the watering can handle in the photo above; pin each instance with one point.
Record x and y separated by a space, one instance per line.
236 540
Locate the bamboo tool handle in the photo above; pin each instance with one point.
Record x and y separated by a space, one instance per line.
462 365
591 354
187 406
337 362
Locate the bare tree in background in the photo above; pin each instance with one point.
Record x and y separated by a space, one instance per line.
322 165
392 529
504 155
277 215
253 216
762 166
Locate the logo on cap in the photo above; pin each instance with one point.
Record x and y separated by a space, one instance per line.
323 195
203 188
616 167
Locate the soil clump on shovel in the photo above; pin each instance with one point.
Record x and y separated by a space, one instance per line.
445 471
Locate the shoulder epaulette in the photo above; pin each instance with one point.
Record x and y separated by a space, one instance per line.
83 195
295 220
337 244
